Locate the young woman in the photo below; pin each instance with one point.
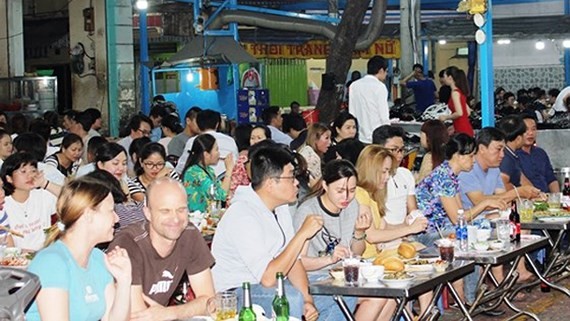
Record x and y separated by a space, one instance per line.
74 273
456 79
6 147
344 228
68 158
112 158
375 166
345 126
151 164
438 195
170 127
314 148
29 204
433 137
239 174
200 181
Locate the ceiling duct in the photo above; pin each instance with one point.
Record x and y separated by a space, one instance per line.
270 21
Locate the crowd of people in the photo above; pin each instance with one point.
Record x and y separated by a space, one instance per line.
300 198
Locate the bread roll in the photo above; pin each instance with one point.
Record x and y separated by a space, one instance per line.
393 264
407 250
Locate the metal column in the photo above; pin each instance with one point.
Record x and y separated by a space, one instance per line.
143 43
486 70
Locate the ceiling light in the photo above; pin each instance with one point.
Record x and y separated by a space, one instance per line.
442 42
141 4
566 43
503 41
539 45
190 76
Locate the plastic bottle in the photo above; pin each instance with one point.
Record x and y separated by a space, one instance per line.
461 231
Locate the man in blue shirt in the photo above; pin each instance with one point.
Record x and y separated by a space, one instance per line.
535 162
511 169
484 181
424 88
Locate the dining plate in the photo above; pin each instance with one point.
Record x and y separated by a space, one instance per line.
530 237
554 219
487 251
398 283
420 265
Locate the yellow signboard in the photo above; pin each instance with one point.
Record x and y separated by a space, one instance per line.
387 48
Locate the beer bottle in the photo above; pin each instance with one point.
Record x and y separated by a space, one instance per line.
515 224
246 313
566 189
280 303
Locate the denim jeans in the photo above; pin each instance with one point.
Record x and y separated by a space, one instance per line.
325 304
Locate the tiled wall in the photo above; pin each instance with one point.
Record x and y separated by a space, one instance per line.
515 78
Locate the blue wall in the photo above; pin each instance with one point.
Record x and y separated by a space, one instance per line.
223 100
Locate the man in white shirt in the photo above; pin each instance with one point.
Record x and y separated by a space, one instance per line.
208 122
562 100
401 189
139 126
369 99
274 121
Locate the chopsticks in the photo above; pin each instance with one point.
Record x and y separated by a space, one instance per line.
11 231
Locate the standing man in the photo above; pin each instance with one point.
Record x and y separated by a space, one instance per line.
369 99
255 239
164 248
534 161
424 88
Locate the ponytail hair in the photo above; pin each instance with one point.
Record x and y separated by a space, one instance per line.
76 196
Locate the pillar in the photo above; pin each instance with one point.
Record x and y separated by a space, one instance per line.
11 39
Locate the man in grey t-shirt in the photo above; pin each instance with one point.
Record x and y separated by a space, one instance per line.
176 145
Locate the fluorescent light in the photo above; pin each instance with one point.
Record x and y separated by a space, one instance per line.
141 4
503 41
539 45
442 41
566 43
190 76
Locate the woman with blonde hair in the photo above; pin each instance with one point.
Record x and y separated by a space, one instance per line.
71 270
314 149
375 166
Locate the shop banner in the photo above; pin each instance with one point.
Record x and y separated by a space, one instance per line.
318 49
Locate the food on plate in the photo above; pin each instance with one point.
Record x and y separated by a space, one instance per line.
337 273
398 276
440 265
14 261
419 262
407 250
393 264
540 206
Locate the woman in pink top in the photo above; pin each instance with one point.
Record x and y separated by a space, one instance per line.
456 79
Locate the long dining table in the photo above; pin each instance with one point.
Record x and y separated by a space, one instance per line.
422 283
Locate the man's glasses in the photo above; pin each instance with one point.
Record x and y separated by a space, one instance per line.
396 150
144 132
153 165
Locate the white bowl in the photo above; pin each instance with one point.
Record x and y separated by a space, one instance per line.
497 245
12 251
372 273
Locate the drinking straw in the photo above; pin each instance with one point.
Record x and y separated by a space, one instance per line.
518 195
438 230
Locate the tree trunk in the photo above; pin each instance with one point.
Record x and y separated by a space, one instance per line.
340 57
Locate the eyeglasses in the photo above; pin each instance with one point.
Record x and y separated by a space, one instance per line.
153 165
396 150
144 132
285 177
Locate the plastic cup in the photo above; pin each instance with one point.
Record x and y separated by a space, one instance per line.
554 200
351 268
526 209
447 252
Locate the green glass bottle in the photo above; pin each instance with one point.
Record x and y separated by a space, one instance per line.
246 313
280 303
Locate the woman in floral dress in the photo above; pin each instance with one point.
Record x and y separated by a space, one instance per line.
200 181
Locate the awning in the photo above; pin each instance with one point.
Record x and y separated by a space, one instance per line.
213 49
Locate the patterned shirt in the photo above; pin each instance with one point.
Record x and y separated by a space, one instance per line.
239 174
441 182
197 182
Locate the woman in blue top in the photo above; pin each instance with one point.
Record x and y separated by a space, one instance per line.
200 181
438 194
75 275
